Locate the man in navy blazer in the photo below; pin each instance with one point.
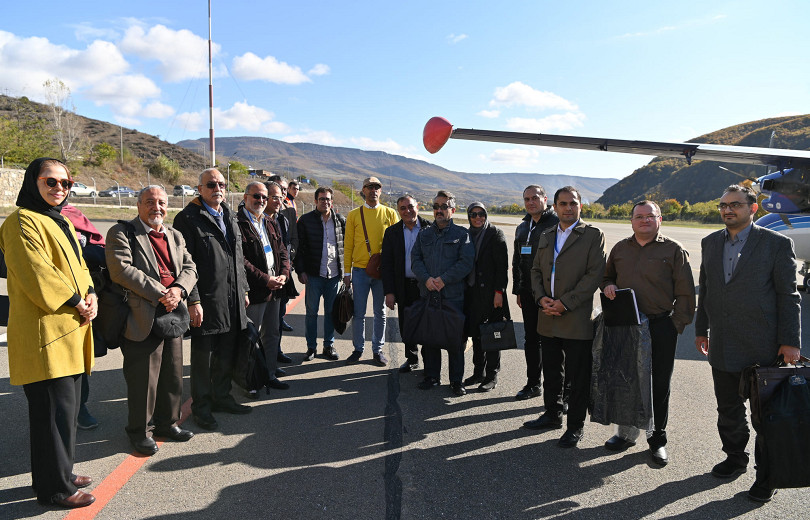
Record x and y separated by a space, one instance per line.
750 308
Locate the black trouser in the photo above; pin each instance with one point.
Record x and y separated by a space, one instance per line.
664 338
731 420
211 365
567 360
153 370
53 408
432 358
486 364
411 295
531 344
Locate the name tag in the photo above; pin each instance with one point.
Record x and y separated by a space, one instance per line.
526 250
268 249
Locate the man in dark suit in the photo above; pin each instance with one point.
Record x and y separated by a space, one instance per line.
150 261
750 307
399 283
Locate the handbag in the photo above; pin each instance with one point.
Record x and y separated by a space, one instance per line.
374 261
171 324
431 322
498 334
343 308
250 364
758 384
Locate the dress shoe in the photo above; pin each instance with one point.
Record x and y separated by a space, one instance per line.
488 385
283 358
85 420
280 372
570 438
278 385
528 392
174 433
82 482
458 389
231 407
380 360
617 443
354 358
77 499
286 327
547 421
728 469
473 380
659 455
407 366
330 353
147 446
310 354
253 394
761 493
428 383
207 422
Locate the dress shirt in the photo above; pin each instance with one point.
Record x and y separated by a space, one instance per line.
410 239
258 225
562 236
329 264
732 249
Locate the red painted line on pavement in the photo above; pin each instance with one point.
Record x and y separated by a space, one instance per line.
107 488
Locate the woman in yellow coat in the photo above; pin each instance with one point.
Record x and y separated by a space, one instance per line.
50 344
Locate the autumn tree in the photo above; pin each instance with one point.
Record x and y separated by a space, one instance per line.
64 120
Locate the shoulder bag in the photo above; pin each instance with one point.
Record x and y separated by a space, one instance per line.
374 261
498 333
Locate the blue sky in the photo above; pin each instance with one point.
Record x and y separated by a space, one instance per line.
370 74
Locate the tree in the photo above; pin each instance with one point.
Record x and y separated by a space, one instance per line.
64 120
103 153
166 169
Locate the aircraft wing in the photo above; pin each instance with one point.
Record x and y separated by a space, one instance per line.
438 130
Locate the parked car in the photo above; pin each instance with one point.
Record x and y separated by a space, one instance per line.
81 190
184 190
113 191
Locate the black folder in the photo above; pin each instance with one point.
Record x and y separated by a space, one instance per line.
622 310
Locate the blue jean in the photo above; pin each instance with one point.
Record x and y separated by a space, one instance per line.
316 287
361 285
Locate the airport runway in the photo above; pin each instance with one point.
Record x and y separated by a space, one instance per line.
362 442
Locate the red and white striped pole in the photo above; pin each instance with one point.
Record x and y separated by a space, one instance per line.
211 92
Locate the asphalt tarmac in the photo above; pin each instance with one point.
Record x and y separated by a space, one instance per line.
362 442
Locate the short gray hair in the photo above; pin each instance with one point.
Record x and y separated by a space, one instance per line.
253 183
202 174
151 187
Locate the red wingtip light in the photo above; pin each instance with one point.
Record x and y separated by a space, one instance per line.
437 132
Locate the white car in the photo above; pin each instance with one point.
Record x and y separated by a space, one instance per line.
184 189
81 190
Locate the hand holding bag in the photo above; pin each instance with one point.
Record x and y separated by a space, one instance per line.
498 333
343 308
431 322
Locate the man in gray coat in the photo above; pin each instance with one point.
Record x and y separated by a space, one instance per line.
749 305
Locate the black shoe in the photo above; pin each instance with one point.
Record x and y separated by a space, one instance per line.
206 422
473 380
253 394
617 443
488 385
231 407
330 353
528 392
286 327
174 433
280 372
659 455
283 358
408 367
570 438
728 469
380 360
147 445
310 355
547 421
278 385
458 389
428 383
354 358
761 493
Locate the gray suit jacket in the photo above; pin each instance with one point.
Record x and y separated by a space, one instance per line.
759 309
136 269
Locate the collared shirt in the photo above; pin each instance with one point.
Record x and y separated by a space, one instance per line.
658 272
218 216
370 207
329 264
258 225
732 249
410 240
149 228
562 236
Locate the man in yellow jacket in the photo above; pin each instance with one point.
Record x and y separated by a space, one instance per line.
365 227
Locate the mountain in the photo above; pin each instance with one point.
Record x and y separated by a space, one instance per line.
667 178
398 174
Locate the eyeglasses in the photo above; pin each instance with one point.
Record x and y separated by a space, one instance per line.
276 198
477 214
259 196
373 186
51 182
324 199
443 207
733 205
640 218
211 185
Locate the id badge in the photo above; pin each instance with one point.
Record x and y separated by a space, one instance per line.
526 250
268 249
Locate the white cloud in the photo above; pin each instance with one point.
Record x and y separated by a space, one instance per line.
240 115
86 32
157 110
191 121
182 54
316 136
520 157
520 94
319 70
490 114
251 67
453 39
552 123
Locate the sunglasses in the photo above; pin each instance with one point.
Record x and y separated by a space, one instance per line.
443 207
477 214
258 196
51 182
211 185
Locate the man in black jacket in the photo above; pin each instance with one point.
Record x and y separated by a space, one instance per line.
399 283
539 218
218 301
318 263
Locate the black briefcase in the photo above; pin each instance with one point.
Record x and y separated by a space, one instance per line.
433 323
499 332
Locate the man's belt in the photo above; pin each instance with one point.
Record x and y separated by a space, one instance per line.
660 315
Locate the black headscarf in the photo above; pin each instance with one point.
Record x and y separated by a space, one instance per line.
29 198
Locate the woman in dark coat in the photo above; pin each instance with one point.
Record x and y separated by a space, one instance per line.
484 298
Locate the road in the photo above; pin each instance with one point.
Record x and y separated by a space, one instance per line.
362 442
